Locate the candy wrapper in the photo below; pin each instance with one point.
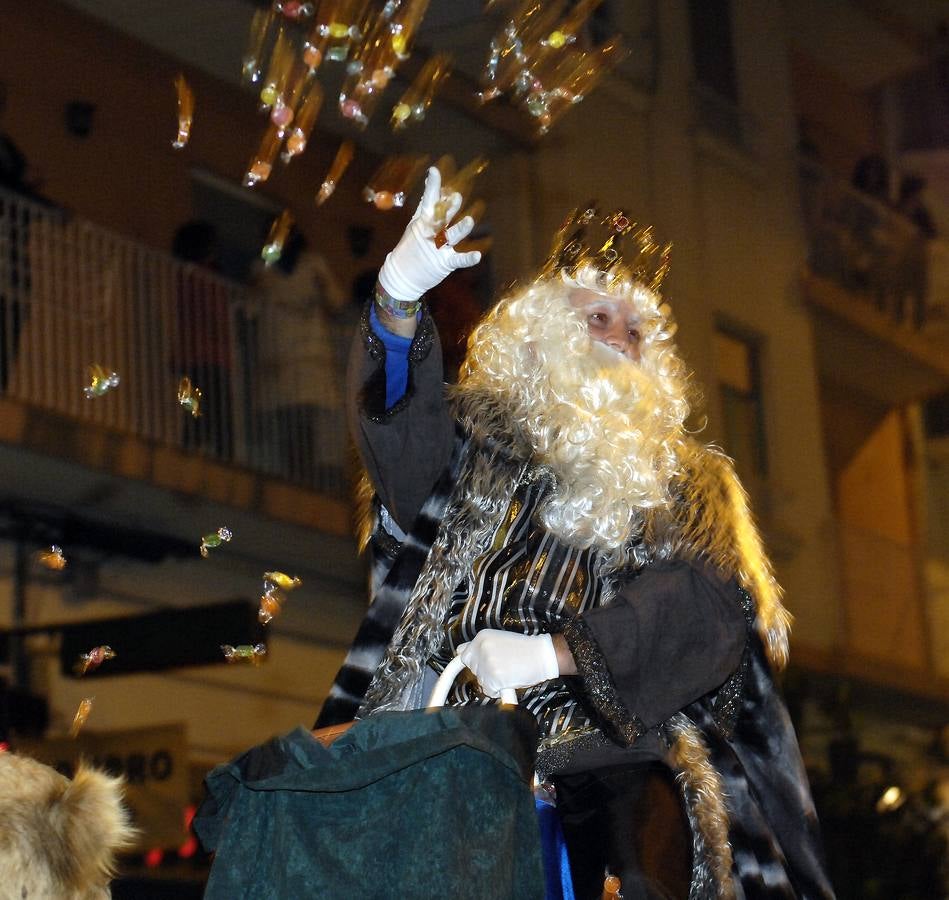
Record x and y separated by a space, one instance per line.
414 103
215 539
185 112
93 659
294 10
261 164
393 180
307 110
276 584
340 163
274 86
284 582
82 715
252 653
535 58
101 381
372 64
271 602
189 396
456 183
574 78
51 558
338 26
252 64
279 231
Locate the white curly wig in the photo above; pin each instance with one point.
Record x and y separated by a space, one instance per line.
606 427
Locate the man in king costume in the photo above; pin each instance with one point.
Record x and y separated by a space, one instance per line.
550 521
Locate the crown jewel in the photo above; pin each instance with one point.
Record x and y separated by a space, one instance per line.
612 244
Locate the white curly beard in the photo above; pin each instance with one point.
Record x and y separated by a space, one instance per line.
607 427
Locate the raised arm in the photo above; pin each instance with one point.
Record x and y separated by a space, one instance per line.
400 421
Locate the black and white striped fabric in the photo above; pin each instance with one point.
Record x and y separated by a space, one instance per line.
531 583
395 577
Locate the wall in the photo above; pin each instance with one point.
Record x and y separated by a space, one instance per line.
734 219
840 121
126 175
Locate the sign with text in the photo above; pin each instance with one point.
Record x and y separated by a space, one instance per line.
153 761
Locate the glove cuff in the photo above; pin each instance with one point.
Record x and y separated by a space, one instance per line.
548 657
394 285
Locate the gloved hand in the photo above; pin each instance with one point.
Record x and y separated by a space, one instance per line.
505 659
416 265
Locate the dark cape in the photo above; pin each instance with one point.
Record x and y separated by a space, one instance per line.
733 750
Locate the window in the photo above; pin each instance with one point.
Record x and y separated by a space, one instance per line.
739 386
713 61
713 56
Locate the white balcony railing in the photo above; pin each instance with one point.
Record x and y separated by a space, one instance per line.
73 294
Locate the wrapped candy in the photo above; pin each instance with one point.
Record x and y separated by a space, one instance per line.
271 602
273 90
284 582
93 659
416 100
82 715
101 381
457 183
215 539
612 888
337 28
252 653
279 231
393 180
534 57
574 77
340 163
294 10
372 64
185 112
51 559
189 396
307 110
261 164
507 48
252 62
273 597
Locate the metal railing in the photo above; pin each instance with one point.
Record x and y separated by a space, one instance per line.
871 249
73 294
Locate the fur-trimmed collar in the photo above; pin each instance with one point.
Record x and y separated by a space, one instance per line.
709 515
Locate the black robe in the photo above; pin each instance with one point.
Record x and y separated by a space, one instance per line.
674 669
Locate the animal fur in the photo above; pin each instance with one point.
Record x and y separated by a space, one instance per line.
58 837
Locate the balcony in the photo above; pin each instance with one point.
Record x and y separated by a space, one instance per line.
879 292
73 295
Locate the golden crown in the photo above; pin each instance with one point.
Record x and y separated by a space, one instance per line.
613 245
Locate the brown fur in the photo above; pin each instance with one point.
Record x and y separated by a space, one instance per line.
712 518
705 805
58 837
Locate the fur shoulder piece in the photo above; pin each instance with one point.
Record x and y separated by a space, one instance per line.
711 517
59 836
487 418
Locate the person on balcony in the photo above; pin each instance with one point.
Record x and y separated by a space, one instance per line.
911 299
203 348
15 284
299 397
550 521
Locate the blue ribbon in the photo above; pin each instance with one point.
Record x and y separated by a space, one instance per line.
557 878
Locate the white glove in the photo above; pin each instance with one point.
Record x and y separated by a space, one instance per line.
505 659
416 265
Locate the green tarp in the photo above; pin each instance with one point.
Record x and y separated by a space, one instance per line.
424 804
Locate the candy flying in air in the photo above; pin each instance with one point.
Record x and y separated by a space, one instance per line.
214 539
